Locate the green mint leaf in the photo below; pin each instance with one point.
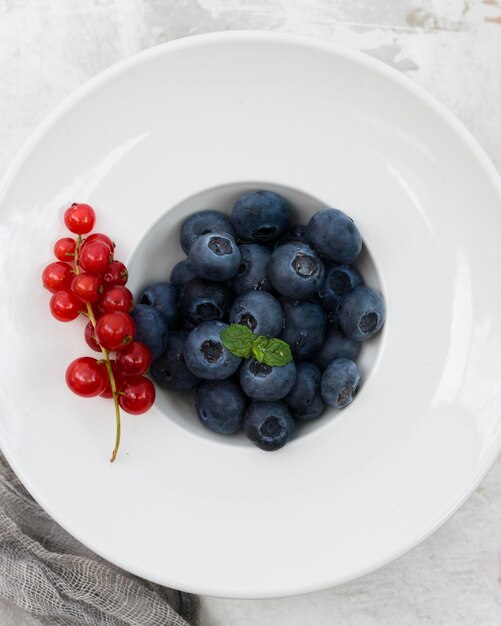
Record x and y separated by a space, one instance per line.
277 353
274 352
238 339
259 348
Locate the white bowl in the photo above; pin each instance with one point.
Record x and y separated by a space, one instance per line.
200 119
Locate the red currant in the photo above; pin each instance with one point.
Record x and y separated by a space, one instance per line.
65 306
80 218
86 377
107 393
116 274
64 249
116 298
137 394
90 337
95 257
100 237
87 287
134 359
115 330
57 276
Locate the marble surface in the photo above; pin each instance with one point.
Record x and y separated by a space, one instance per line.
453 49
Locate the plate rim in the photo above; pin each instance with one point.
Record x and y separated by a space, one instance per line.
308 42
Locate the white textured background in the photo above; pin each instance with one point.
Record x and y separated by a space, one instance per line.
452 48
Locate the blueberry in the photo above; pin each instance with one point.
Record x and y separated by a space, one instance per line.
268 425
334 235
221 406
287 303
162 296
253 270
361 313
296 270
259 311
304 400
293 233
304 329
339 279
151 328
215 256
336 345
170 370
204 300
182 272
340 383
205 354
202 223
264 382
260 215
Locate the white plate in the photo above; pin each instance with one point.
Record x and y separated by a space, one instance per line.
197 512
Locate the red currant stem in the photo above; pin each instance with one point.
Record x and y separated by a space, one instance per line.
106 355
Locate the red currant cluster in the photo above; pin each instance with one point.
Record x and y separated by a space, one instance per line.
86 280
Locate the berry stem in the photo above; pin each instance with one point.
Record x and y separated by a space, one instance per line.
106 355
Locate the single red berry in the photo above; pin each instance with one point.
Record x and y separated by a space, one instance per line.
86 376
57 276
95 257
116 274
90 337
80 218
64 249
87 287
65 306
100 237
116 298
134 359
115 330
137 394
107 393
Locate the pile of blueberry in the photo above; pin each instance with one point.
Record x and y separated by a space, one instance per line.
263 319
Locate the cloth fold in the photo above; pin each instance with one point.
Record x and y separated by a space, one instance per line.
52 576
